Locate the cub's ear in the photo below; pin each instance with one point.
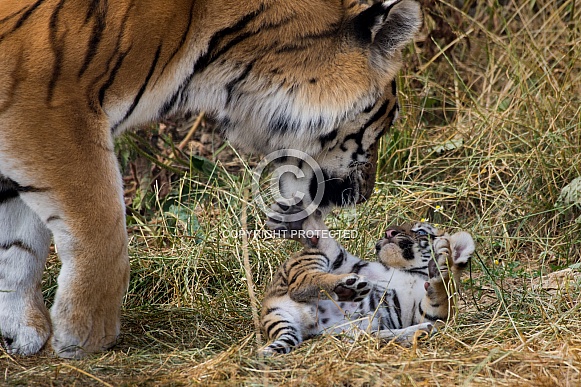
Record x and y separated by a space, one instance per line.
388 26
462 246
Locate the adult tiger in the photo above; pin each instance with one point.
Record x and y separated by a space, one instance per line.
312 75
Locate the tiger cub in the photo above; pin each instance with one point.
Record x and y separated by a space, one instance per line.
325 289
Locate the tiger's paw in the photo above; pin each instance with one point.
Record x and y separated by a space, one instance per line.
24 323
24 328
80 331
352 288
84 338
25 341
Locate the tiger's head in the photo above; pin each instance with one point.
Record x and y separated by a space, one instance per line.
414 246
323 83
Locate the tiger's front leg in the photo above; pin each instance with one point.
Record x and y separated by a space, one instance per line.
78 196
92 243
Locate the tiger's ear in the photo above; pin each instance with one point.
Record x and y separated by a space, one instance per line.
462 246
388 26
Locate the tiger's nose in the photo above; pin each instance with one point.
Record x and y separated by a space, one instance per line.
390 233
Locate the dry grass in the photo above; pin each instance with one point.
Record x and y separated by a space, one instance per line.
490 134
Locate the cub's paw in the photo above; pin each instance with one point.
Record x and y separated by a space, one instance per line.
406 336
352 287
425 327
277 348
450 253
438 267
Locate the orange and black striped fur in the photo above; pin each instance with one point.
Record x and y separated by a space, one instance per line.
313 75
326 289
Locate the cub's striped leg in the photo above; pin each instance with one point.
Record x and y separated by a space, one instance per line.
291 317
339 287
287 323
451 254
24 244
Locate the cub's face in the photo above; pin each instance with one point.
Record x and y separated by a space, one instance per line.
408 246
